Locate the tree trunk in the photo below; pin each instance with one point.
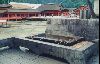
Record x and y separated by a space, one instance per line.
91 9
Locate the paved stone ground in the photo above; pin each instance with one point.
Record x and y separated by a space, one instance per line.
13 56
23 29
19 57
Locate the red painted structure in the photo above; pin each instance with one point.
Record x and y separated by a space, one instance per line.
20 15
51 13
17 15
65 12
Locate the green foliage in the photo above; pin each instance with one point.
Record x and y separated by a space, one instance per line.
4 1
66 3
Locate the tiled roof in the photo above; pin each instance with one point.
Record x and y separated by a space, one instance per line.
22 10
24 5
49 7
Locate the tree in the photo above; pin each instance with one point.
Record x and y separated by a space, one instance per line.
91 8
1 1
4 1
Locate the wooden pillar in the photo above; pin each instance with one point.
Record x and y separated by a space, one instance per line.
20 15
6 24
58 14
45 14
2 23
8 17
24 15
34 14
28 14
16 16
